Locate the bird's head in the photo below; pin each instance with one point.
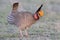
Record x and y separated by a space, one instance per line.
40 13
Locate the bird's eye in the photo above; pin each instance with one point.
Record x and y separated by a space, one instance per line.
39 14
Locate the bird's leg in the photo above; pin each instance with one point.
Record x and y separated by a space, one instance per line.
20 32
26 33
21 35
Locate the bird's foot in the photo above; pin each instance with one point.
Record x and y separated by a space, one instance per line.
26 36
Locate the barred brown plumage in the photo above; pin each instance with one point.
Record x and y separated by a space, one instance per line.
11 18
24 20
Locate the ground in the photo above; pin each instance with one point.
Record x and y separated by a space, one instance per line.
46 28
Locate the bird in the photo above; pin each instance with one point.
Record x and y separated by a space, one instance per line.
24 19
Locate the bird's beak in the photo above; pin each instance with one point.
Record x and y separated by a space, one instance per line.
40 13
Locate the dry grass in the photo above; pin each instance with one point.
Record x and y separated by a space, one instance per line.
47 28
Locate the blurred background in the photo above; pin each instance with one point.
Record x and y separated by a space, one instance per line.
46 28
